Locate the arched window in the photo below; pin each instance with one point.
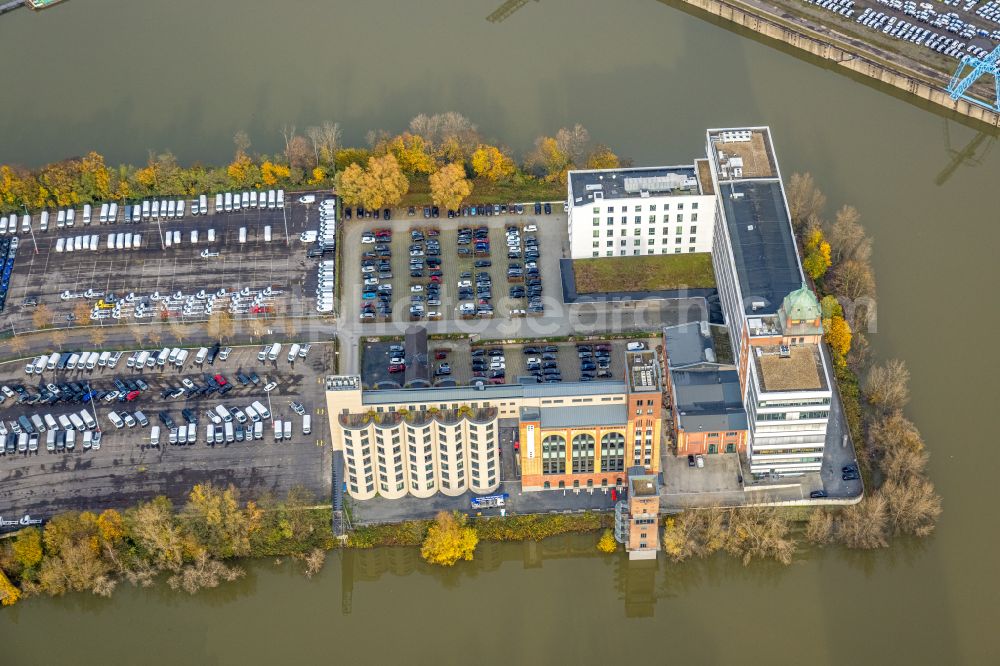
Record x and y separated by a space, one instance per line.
583 453
554 455
613 452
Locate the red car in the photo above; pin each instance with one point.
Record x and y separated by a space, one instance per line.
132 395
440 355
220 380
496 380
436 279
397 367
383 233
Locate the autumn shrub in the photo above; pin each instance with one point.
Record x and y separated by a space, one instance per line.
534 527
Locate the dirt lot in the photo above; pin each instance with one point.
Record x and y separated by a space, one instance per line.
280 263
551 235
127 468
459 358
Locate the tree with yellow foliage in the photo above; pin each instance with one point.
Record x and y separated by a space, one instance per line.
272 173
410 151
27 548
9 594
838 334
817 254
603 158
382 183
95 177
492 163
449 540
318 176
449 186
553 160
242 171
216 519
607 544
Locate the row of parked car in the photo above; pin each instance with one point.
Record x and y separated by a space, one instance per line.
8 248
60 433
376 266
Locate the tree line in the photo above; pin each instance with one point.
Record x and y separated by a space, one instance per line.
446 149
83 551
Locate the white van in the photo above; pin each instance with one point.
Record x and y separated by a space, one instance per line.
228 205
3 224
203 204
94 242
223 413
128 241
278 430
50 422
194 236
182 434
200 356
210 433
180 208
218 203
161 358
306 424
25 224
261 409
172 357
181 358
78 243
136 214
70 440
102 360
64 422
258 430
168 239
253 199
145 209
50 441
40 364
243 234
77 422
111 241
86 213
60 244
271 198
43 221
136 241
281 198
70 217
245 200
230 437
177 237
88 420
53 360
293 352
112 212
104 213
73 360
88 440
36 420
275 350
267 233
288 429
120 241
154 435
92 360
156 208
140 361
171 208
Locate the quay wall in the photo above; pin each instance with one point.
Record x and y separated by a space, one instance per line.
848 53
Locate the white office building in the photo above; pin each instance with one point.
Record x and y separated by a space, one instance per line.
773 317
632 212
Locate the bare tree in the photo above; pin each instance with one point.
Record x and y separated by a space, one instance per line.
853 279
912 504
887 385
696 533
892 431
757 532
98 336
819 528
903 462
325 140
443 127
241 140
287 133
299 152
864 525
17 344
847 237
804 198
314 562
574 142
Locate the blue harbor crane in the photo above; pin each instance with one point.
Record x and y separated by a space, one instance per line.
969 70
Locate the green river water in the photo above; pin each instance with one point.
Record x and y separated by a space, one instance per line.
646 78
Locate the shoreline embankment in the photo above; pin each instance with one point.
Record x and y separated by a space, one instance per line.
852 54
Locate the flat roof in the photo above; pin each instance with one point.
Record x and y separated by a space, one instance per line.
643 371
490 392
686 344
767 262
584 415
632 183
709 400
743 153
795 368
643 486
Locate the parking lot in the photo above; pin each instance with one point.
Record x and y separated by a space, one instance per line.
554 360
128 467
253 261
434 288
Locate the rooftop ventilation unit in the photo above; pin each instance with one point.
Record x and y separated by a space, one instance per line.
671 181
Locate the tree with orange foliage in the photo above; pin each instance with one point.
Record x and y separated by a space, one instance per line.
492 163
449 186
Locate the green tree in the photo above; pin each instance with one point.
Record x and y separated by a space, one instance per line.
449 540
